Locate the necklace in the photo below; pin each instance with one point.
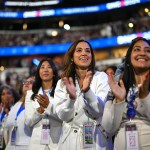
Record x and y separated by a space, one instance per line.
131 106
47 91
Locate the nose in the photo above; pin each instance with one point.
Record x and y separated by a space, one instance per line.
84 52
143 52
46 69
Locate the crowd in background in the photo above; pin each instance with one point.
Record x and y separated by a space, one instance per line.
43 36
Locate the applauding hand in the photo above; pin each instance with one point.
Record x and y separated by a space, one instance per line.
70 87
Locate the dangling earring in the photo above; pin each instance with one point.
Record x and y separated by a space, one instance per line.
71 61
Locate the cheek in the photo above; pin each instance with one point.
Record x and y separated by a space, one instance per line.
2 99
40 74
30 87
9 100
133 58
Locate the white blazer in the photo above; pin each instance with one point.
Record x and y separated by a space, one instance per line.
87 107
34 119
23 133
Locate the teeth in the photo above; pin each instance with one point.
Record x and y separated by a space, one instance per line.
141 59
83 59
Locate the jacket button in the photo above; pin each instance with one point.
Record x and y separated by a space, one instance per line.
75 131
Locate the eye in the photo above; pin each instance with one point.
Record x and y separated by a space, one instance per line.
88 50
42 67
136 49
147 50
78 50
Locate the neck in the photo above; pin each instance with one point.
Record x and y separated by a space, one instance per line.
140 76
81 73
22 99
47 85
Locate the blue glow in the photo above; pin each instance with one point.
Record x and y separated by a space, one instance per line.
36 61
71 10
62 48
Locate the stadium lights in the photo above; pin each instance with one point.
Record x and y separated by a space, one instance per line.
71 10
31 4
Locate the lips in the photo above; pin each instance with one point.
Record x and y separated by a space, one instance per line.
45 74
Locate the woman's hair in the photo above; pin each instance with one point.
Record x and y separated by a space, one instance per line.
69 65
128 74
15 95
38 81
113 67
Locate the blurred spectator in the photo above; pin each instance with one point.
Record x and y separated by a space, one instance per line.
110 70
8 97
23 133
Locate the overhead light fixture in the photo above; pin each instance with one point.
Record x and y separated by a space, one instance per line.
67 26
61 23
25 26
54 33
131 25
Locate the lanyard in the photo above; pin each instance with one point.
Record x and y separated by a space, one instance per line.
49 92
2 116
19 111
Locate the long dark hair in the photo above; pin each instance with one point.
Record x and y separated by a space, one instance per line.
38 82
69 65
128 74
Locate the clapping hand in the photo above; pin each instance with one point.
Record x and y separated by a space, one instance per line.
87 81
119 91
43 101
144 87
70 87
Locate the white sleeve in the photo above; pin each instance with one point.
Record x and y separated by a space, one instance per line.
112 116
31 115
65 106
97 94
146 104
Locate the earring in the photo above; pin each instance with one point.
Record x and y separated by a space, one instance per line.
71 61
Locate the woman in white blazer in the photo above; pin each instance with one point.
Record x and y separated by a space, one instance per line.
81 94
8 97
127 116
40 108
16 118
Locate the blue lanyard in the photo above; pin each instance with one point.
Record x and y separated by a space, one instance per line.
131 110
19 111
48 92
2 116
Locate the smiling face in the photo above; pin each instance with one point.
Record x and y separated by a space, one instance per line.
82 56
46 72
140 56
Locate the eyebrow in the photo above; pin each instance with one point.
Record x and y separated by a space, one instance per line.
82 48
140 46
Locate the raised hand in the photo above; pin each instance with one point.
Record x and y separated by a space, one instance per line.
43 100
70 87
6 107
144 87
118 91
87 81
